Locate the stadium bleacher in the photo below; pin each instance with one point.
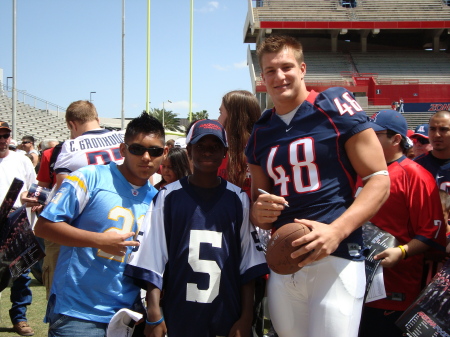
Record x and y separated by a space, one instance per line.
30 121
365 10
405 65
395 44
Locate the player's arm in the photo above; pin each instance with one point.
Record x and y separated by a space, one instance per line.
266 207
366 156
154 313
64 234
243 326
391 256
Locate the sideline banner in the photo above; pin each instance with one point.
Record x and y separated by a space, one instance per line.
426 107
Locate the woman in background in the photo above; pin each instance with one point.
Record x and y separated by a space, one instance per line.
238 112
174 166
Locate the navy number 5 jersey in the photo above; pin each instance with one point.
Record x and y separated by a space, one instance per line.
206 250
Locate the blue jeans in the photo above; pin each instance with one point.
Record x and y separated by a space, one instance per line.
20 297
66 326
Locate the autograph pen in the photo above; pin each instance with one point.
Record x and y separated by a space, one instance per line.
264 192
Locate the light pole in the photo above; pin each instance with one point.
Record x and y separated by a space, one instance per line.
163 113
90 95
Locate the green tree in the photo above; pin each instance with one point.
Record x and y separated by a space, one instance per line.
199 115
170 120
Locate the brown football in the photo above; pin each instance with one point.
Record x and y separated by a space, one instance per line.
279 248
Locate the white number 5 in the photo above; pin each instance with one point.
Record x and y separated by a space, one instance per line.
203 266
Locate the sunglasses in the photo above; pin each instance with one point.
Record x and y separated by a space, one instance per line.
421 140
139 150
25 142
5 136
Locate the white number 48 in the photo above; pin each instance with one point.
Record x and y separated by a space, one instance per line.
344 107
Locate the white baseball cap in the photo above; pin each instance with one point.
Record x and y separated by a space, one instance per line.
180 142
119 326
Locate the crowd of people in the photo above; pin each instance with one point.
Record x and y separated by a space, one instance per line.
191 241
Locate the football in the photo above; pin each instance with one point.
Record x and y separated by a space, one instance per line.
279 249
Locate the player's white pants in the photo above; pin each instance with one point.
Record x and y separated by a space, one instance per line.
323 299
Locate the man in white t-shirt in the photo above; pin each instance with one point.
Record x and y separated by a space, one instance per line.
16 165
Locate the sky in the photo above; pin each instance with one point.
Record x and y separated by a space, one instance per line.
68 49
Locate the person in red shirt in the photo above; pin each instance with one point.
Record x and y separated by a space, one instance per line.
413 214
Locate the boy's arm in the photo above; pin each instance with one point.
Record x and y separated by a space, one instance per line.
243 326
154 313
67 235
391 256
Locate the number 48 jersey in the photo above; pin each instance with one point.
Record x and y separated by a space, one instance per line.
307 162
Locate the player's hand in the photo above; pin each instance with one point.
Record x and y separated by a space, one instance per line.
267 208
159 330
240 328
323 240
115 244
389 257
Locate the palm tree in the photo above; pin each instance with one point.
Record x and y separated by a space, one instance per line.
169 120
199 115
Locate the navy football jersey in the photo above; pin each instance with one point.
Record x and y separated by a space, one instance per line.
205 250
439 168
307 162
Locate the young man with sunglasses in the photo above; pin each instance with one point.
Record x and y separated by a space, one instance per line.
94 216
28 147
421 140
16 165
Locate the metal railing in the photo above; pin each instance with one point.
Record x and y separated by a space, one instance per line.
36 102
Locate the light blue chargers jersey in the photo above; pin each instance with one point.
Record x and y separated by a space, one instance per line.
88 282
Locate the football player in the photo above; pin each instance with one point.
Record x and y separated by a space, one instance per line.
307 151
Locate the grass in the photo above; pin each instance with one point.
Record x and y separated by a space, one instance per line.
35 312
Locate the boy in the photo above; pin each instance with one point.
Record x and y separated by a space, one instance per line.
93 216
209 252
